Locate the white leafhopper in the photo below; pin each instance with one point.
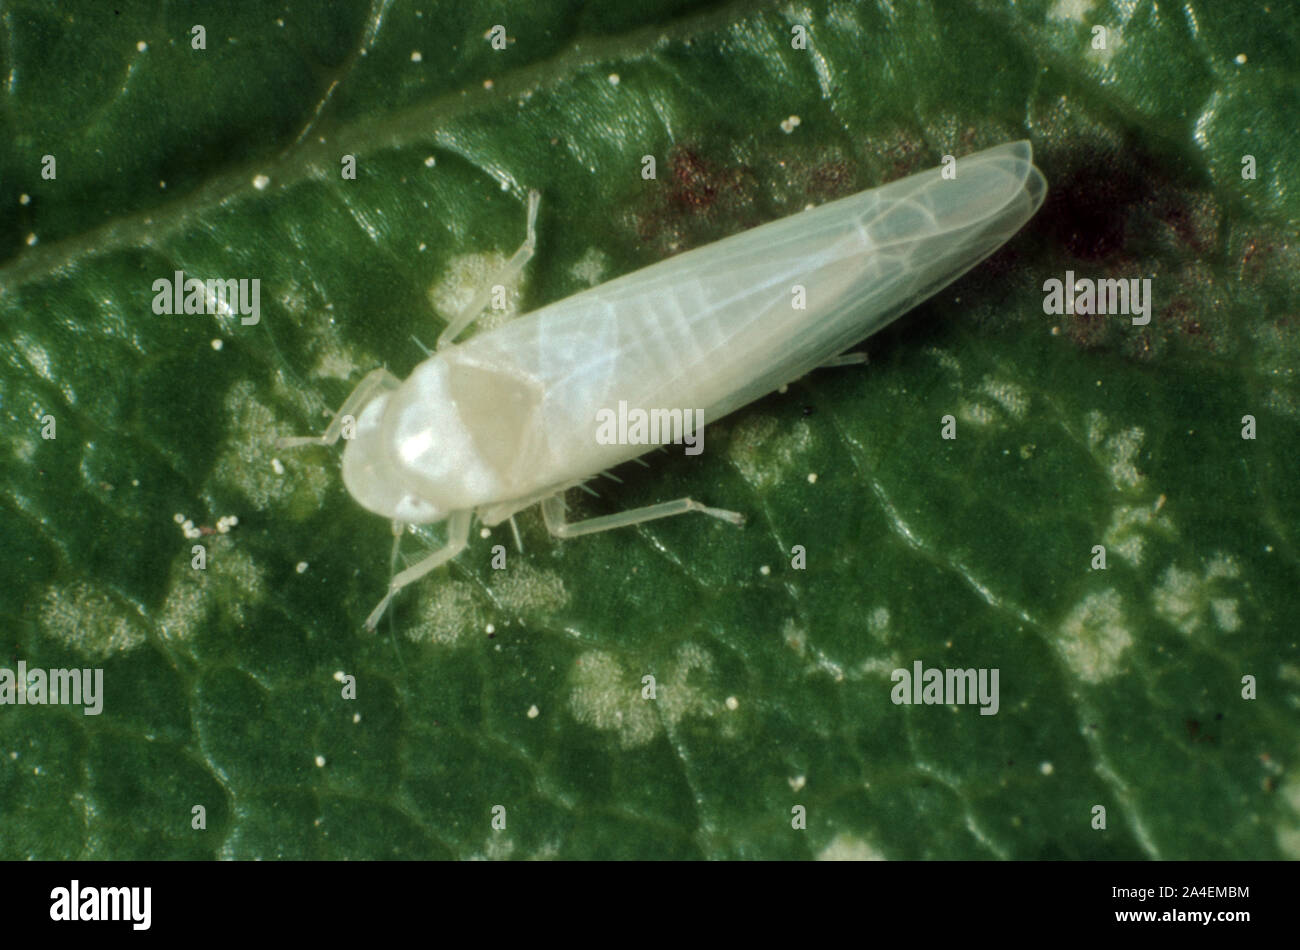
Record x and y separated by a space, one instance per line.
508 419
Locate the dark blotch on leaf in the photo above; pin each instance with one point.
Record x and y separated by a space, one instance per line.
1089 202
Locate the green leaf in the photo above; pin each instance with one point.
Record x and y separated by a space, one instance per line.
523 688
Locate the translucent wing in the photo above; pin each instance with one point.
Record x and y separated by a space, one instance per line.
717 327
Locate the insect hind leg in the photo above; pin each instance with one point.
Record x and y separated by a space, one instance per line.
553 515
506 275
375 382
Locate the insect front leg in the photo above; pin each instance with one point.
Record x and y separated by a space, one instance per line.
375 382
553 515
457 539
504 276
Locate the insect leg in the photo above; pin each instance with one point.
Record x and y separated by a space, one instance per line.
553 514
457 539
376 381
505 275
845 359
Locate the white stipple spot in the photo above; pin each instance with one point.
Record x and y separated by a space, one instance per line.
301 567
533 712
260 182
1225 614
732 703
1222 566
232 583
1013 400
1176 601
1189 601
24 199
217 344
90 620
613 79
878 623
245 460
1046 768
944 358
845 847
1129 527
592 267
1124 448
320 761
1094 636
141 46
812 478
1096 427
977 413
338 676
604 696
462 279
336 363
499 846
1075 11
1118 453
765 570
448 610
1288 832
1240 59
797 782
429 162
529 590
277 466
767 451
416 56
789 124
684 691
32 240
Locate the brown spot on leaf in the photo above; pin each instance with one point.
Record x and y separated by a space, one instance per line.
832 180
1087 329
701 201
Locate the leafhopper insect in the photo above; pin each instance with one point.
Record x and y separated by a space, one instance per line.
508 419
